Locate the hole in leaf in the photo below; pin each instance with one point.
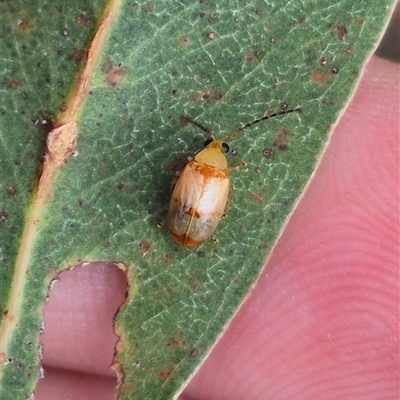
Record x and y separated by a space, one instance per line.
78 338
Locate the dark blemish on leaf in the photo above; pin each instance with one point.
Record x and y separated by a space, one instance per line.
257 170
107 245
251 58
3 217
193 353
24 25
321 78
202 1
11 191
334 71
39 64
234 152
273 40
176 166
114 75
284 106
174 92
150 7
184 41
81 203
145 246
25 96
167 260
65 32
60 52
78 55
63 108
281 140
121 187
210 35
236 20
13 230
258 11
166 373
268 153
347 50
323 62
209 96
202 15
43 124
83 20
302 20
200 254
212 18
15 84
341 32
177 342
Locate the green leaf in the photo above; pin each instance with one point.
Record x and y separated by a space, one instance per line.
223 65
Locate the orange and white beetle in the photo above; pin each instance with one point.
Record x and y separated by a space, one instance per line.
199 197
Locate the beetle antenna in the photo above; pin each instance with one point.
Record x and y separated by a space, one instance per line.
188 120
268 116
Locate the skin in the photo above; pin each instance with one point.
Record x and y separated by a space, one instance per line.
322 321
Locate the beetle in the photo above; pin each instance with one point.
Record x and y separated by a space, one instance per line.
200 194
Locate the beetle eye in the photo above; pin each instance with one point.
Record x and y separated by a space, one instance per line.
225 147
207 142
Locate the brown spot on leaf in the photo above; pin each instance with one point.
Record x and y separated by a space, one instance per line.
150 6
3 217
25 24
113 74
268 153
251 58
145 246
166 373
208 96
323 62
83 20
193 353
341 32
281 140
210 35
321 78
11 191
335 70
184 41
177 342
15 84
212 18
78 55
263 245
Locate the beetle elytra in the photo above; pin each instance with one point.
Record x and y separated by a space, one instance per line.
200 194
